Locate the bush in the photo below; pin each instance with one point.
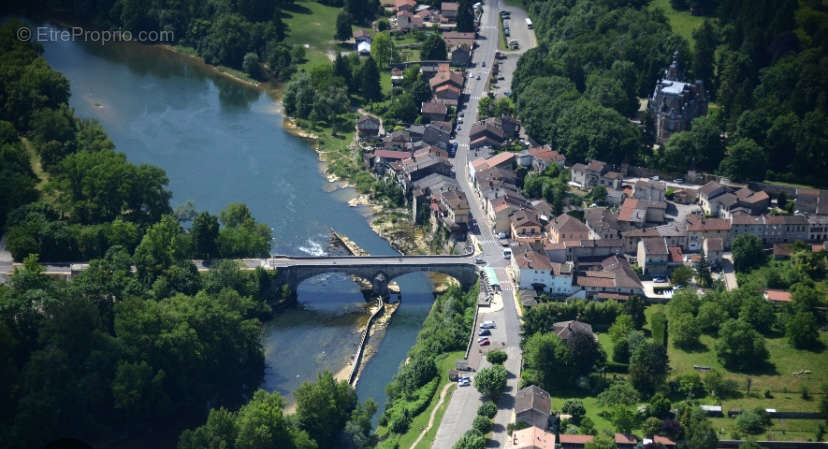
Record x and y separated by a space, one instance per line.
750 422
487 409
574 408
400 422
482 424
496 357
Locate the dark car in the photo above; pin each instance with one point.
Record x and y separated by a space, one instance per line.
484 332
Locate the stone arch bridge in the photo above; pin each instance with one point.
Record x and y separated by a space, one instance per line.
378 270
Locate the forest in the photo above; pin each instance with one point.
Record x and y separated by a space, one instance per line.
762 64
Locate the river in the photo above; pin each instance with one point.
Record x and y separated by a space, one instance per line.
222 142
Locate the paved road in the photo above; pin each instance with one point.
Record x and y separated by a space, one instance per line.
464 402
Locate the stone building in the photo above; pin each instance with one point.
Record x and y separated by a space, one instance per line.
675 102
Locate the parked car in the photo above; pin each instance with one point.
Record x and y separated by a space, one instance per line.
659 280
484 332
464 382
485 342
484 63
487 325
679 180
480 261
656 178
478 77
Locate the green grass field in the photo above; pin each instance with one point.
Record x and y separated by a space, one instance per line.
313 24
682 22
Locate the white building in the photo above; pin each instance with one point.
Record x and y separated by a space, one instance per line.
534 270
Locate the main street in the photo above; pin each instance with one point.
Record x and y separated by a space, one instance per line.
464 402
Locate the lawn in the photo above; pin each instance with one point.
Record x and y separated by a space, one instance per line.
682 22
312 24
780 429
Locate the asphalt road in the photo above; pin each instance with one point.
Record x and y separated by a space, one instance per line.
464 402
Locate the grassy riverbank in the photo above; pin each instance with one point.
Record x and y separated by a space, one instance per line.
415 390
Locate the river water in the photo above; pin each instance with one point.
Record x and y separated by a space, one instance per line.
222 142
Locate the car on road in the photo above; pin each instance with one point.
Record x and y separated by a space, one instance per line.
656 178
484 332
484 63
487 325
463 382
507 253
478 77
459 120
485 342
460 114
679 180
480 261
659 280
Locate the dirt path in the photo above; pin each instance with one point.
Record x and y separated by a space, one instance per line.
433 412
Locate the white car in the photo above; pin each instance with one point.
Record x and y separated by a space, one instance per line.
463 382
487 325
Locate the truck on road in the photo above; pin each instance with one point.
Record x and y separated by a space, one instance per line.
529 23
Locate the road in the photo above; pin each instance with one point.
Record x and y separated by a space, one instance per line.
464 402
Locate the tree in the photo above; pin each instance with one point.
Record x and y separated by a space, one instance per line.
261 423
718 386
711 315
682 275
619 393
684 329
382 49
750 422
496 357
482 424
434 48
465 17
600 442
802 330
623 418
597 195
343 26
547 361
487 409
704 53
621 327
370 81
584 353
574 408
472 439
745 160
648 367
756 310
358 428
740 347
747 252
659 406
251 66
703 275
491 381
205 231
323 408
658 326
651 427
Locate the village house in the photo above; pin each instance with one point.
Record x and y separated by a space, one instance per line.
525 226
532 406
713 249
817 228
615 276
586 176
707 193
535 271
455 39
449 10
454 210
566 329
362 41
755 202
566 227
602 223
649 190
811 201
631 238
384 158
488 191
635 212
675 258
405 5
532 438
573 441
653 256
770 228
625 441
544 156
397 76
777 296
501 208
658 439
423 189
579 250
429 69
434 111
492 132
700 228
501 160
448 94
367 127
411 169
674 233
684 196
675 103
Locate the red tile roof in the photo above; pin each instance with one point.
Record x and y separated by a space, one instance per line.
778 295
574 438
